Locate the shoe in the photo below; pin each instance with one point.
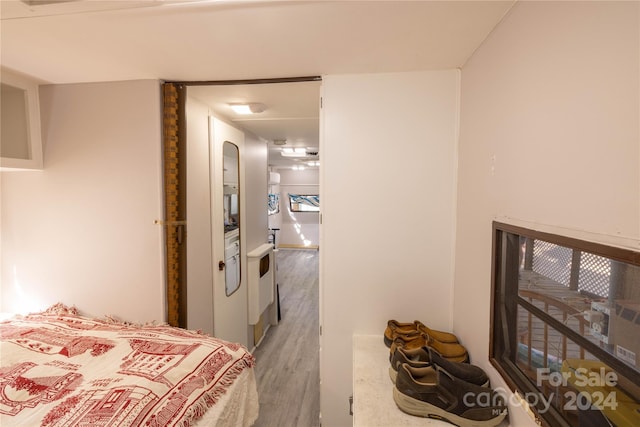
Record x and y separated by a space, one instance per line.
444 397
454 352
412 341
445 337
395 328
426 358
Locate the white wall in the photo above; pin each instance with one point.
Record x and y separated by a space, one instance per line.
388 227
82 230
548 139
298 228
255 188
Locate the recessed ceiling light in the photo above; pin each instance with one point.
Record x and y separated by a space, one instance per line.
248 108
294 152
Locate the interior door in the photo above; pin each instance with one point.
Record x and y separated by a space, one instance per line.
229 303
199 269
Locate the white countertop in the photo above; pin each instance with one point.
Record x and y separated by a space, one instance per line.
373 404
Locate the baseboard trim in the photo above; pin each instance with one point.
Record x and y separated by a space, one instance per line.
264 334
289 246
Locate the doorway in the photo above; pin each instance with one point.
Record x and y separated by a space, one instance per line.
288 121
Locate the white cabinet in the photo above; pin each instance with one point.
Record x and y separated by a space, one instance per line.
261 281
232 261
20 137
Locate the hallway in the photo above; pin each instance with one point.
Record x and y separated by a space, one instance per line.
287 369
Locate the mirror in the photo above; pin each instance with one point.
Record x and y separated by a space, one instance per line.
231 203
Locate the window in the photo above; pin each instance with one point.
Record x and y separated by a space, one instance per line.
273 203
304 202
565 326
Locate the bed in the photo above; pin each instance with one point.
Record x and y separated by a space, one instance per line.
58 368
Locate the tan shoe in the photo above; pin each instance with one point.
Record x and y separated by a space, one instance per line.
395 328
408 342
453 352
444 337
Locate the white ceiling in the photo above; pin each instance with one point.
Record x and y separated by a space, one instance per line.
292 113
204 40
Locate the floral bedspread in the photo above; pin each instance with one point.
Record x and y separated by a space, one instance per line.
61 369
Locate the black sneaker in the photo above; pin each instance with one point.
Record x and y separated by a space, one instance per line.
444 397
425 358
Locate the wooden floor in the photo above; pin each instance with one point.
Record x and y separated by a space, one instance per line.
288 363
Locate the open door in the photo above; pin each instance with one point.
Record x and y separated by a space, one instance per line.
230 320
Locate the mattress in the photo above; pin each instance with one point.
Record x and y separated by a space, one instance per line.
58 368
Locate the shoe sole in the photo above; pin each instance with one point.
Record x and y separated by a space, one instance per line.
426 410
393 374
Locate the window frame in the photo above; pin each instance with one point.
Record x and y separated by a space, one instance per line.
505 300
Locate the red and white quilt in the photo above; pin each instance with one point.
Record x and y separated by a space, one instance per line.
60 369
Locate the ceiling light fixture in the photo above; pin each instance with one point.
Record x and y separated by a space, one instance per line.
248 108
293 152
